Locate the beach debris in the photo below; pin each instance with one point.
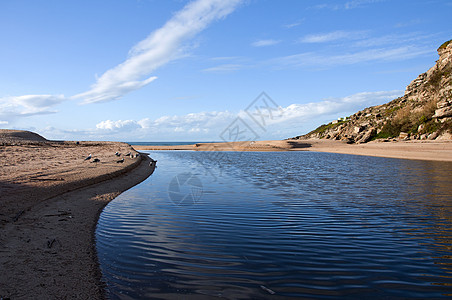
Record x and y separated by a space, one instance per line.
88 157
120 161
117 153
18 215
51 242
268 290
96 160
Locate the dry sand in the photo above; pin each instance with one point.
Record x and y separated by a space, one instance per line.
424 150
50 200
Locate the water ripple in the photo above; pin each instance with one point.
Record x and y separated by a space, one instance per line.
303 225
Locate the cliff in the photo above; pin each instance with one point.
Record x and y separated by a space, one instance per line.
424 112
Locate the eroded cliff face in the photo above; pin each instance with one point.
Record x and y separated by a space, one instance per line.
424 112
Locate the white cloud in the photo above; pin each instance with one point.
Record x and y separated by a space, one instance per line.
332 36
160 47
119 125
28 105
318 60
333 106
264 43
296 119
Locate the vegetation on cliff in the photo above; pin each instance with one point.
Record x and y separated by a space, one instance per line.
424 112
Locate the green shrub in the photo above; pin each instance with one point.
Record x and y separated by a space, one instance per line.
444 45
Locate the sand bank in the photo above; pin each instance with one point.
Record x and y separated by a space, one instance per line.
50 200
423 150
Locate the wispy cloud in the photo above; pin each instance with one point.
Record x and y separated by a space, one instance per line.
408 23
160 47
12 108
415 38
333 36
224 68
346 5
264 43
319 60
294 24
225 58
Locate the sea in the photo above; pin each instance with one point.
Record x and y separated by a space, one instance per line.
280 225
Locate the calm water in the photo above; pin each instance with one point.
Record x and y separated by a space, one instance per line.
237 225
163 143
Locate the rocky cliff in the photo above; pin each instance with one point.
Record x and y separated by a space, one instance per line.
424 112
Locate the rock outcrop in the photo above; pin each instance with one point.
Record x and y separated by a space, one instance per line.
424 112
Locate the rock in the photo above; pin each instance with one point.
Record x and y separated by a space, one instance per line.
442 104
432 136
445 136
357 129
443 112
433 87
367 136
403 135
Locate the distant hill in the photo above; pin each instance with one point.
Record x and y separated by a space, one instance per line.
16 136
424 112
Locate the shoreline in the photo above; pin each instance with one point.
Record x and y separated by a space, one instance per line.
417 150
50 206
47 246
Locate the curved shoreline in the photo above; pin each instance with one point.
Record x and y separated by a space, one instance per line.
418 150
48 250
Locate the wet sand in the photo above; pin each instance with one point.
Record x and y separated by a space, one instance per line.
423 150
50 201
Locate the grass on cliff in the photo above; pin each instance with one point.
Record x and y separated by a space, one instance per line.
444 45
408 119
322 128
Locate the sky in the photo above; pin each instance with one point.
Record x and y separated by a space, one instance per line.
174 70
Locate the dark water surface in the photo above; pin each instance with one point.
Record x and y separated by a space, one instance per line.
240 225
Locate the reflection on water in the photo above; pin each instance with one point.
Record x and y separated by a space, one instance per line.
299 224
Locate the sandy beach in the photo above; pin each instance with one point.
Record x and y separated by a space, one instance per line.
423 150
51 198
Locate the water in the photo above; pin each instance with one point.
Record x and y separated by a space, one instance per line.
164 143
296 224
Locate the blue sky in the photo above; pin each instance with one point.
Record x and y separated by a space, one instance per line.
161 70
